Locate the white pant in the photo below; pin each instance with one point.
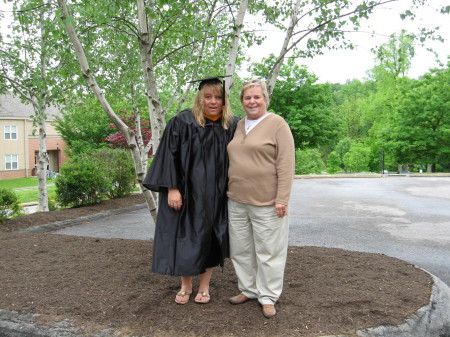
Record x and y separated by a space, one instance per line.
258 249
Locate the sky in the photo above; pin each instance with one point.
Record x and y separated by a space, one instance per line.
337 66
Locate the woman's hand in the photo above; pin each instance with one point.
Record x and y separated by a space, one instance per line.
174 199
281 210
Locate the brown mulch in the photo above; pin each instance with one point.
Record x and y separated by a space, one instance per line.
106 283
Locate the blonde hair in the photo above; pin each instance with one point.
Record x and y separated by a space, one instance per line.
256 83
198 108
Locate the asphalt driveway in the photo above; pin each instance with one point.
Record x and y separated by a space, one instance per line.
403 217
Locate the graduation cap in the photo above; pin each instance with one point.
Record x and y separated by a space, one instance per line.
212 80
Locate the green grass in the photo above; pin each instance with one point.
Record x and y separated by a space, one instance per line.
18 183
31 195
28 195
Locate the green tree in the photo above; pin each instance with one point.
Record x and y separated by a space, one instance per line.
393 61
341 150
34 66
83 126
333 163
306 107
352 102
420 129
9 204
357 158
308 161
169 42
117 167
394 57
314 25
81 182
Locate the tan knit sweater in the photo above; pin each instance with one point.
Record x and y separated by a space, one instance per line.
261 163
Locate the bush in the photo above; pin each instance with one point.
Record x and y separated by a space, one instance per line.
333 162
9 205
52 206
118 167
81 182
308 161
357 158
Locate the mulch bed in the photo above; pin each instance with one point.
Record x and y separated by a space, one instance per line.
107 283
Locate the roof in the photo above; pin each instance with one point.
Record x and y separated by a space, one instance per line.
12 107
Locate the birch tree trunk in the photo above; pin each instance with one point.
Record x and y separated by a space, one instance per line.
43 160
157 113
40 108
136 151
273 75
200 58
238 26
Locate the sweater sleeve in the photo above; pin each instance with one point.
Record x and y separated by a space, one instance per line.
285 163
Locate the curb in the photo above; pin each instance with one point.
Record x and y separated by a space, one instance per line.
53 226
430 320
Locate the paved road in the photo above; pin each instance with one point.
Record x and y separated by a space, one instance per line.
403 217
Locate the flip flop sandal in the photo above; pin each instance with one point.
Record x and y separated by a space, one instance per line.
203 299
185 297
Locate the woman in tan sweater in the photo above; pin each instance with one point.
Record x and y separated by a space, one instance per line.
260 175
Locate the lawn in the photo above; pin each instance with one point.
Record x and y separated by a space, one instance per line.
31 194
18 183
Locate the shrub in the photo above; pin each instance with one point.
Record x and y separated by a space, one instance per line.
52 206
9 204
308 161
81 182
357 158
333 162
118 167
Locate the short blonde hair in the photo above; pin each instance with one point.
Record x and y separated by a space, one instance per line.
198 108
256 83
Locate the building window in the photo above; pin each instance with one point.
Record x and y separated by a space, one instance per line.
12 162
10 132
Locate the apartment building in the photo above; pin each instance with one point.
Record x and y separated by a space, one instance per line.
19 140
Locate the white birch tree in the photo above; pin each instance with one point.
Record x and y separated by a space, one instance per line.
197 45
315 25
30 63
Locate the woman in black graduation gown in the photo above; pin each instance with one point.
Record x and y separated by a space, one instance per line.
189 171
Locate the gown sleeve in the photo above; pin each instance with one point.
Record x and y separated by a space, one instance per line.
165 165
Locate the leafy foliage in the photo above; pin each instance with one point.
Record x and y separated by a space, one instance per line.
394 57
9 204
81 182
333 163
341 150
420 129
306 107
308 161
357 158
32 57
83 126
118 168
118 140
88 178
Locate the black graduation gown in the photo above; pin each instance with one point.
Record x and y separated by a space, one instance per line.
193 159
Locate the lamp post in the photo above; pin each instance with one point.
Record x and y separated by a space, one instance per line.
382 161
57 157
